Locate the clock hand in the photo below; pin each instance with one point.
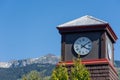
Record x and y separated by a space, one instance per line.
86 48
84 44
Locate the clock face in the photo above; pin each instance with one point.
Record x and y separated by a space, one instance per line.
82 46
109 49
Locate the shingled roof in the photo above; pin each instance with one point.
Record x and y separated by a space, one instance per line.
83 21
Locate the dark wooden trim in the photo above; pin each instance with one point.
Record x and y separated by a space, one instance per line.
103 45
99 51
80 28
111 33
105 27
63 48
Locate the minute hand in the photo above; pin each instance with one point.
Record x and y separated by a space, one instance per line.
84 44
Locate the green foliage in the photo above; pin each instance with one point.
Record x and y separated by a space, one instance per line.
24 78
79 72
60 73
46 78
119 73
17 73
33 75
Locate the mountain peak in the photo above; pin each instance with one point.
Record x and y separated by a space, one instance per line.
49 58
49 55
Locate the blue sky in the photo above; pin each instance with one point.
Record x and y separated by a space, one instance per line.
28 27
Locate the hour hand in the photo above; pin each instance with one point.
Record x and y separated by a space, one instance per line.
82 46
86 48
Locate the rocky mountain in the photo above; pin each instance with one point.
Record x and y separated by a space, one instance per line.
14 70
16 73
49 58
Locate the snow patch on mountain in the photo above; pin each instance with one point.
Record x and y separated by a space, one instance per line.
5 64
49 58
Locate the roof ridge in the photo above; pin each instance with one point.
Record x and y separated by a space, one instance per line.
97 19
84 20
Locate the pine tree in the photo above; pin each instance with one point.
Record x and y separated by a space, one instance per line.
24 78
79 72
60 73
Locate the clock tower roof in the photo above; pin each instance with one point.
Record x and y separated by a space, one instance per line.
84 21
87 23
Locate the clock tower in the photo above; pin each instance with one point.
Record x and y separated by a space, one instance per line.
93 40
